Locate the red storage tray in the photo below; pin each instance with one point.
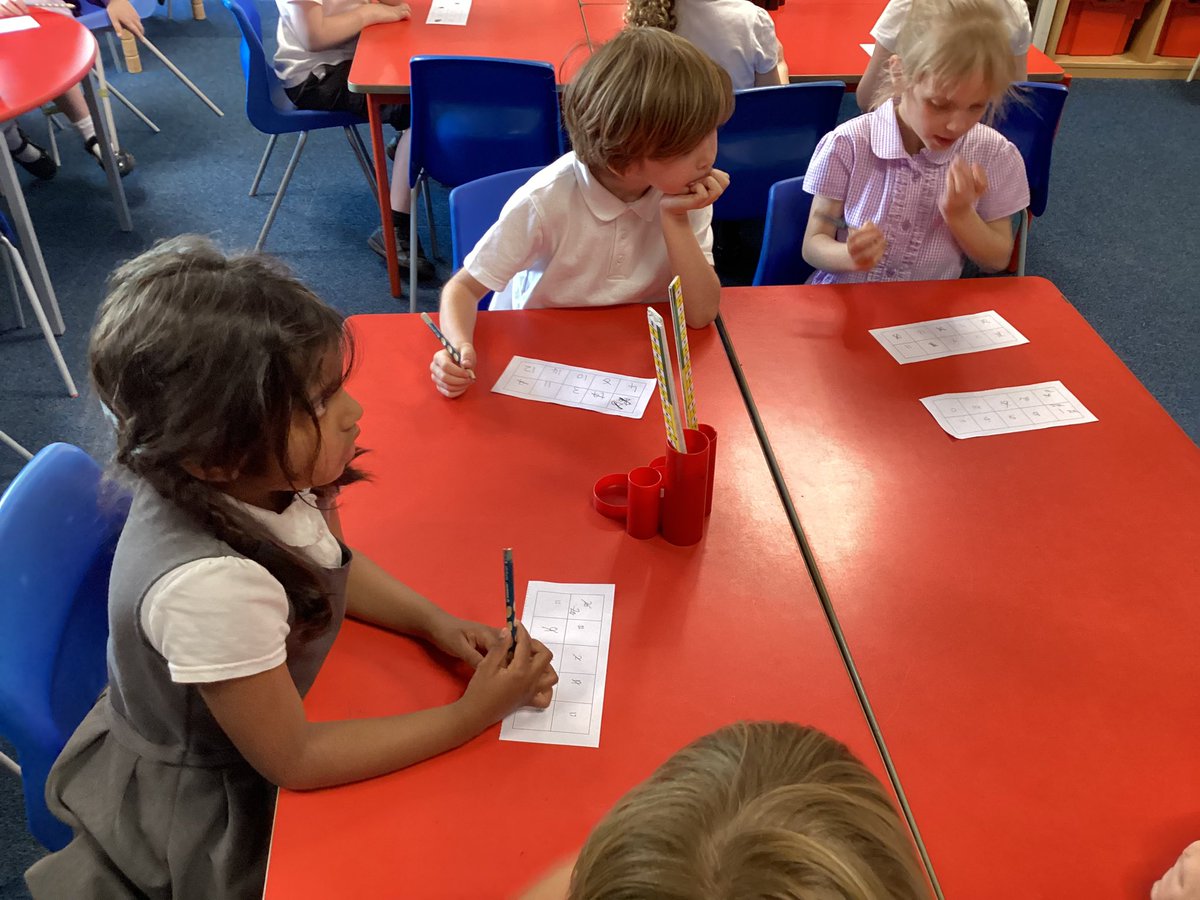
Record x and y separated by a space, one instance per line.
1098 27
1181 31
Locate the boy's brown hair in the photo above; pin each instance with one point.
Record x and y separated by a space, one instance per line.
754 810
646 94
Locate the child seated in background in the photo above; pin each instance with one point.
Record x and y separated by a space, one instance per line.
736 34
906 191
316 47
887 33
615 219
757 811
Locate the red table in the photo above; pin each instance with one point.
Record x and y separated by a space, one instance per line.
725 630
37 65
820 38
1022 609
543 30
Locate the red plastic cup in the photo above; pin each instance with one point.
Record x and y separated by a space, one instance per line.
711 434
610 496
645 498
660 463
686 489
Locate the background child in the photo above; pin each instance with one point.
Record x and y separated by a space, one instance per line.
737 34
753 810
887 34
316 41
939 184
615 219
228 587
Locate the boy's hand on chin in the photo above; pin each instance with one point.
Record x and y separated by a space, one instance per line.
701 193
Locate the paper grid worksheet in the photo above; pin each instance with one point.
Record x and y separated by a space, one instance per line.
948 337
1005 410
868 49
448 12
574 621
547 382
18 23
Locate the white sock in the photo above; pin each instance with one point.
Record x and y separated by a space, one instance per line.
12 136
86 129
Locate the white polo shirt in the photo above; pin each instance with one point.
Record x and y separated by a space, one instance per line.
293 63
563 240
738 36
891 22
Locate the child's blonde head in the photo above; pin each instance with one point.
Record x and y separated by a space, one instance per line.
949 42
646 94
651 14
754 810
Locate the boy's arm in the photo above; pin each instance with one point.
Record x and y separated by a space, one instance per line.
317 31
459 305
701 286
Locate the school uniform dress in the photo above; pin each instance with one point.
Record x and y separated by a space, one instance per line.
563 240
891 22
738 36
863 163
162 803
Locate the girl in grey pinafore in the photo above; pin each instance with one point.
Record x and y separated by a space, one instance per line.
162 803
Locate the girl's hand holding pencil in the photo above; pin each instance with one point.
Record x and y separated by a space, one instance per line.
453 378
501 685
462 639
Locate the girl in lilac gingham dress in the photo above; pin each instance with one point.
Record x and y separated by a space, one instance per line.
904 192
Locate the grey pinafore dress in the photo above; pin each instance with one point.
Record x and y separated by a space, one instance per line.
162 803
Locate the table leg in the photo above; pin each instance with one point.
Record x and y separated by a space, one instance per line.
29 242
106 155
383 186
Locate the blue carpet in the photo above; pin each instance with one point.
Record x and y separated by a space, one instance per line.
1118 239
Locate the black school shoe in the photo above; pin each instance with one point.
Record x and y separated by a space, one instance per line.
424 266
44 167
125 161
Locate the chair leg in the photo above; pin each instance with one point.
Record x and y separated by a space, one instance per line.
175 71
5 439
1023 237
360 153
433 247
1195 66
6 761
262 164
412 244
40 315
128 104
283 186
111 40
52 138
12 286
109 123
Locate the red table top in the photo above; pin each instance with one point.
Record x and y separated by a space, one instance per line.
820 38
38 64
725 630
543 30
1021 608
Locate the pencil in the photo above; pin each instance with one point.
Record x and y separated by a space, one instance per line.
450 348
510 601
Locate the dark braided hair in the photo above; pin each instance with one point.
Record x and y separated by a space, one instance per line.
204 360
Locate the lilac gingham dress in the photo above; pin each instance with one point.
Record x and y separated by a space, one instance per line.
863 163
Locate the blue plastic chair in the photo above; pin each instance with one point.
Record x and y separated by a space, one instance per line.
473 116
1031 122
781 261
57 536
770 137
271 112
475 206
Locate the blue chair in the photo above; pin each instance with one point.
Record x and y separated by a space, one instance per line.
1031 122
473 116
780 261
770 137
475 206
271 112
58 532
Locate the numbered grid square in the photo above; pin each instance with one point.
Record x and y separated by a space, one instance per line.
587 606
551 603
1001 402
532 371
941 330
963 424
575 718
546 388
608 383
976 405
575 688
910 350
977 339
533 719
948 407
556 652
1050 395
933 345
897 337
571 393
583 632
580 379
632 388
1038 415
557 374
622 402
593 397
1025 399
577 658
521 385
955 343
989 421
1015 417
999 336
548 630
921 332
1064 412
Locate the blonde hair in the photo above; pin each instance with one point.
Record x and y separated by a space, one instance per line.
651 14
950 41
754 810
646 94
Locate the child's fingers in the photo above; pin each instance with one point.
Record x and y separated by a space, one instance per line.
496 656
981 179
721 178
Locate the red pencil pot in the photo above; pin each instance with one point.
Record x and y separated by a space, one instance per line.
711 433
686 490
645 494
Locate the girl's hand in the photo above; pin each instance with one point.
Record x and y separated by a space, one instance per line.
462 639
964 186
399 5
124 18
501 685
701 193
381 13
1182 880
450 378
866 246
10 8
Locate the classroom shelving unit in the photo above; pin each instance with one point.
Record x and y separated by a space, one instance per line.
1139 61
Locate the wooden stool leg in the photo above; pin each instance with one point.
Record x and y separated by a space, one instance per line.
133 62
197 9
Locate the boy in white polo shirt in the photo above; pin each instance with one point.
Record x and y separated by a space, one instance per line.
615 219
